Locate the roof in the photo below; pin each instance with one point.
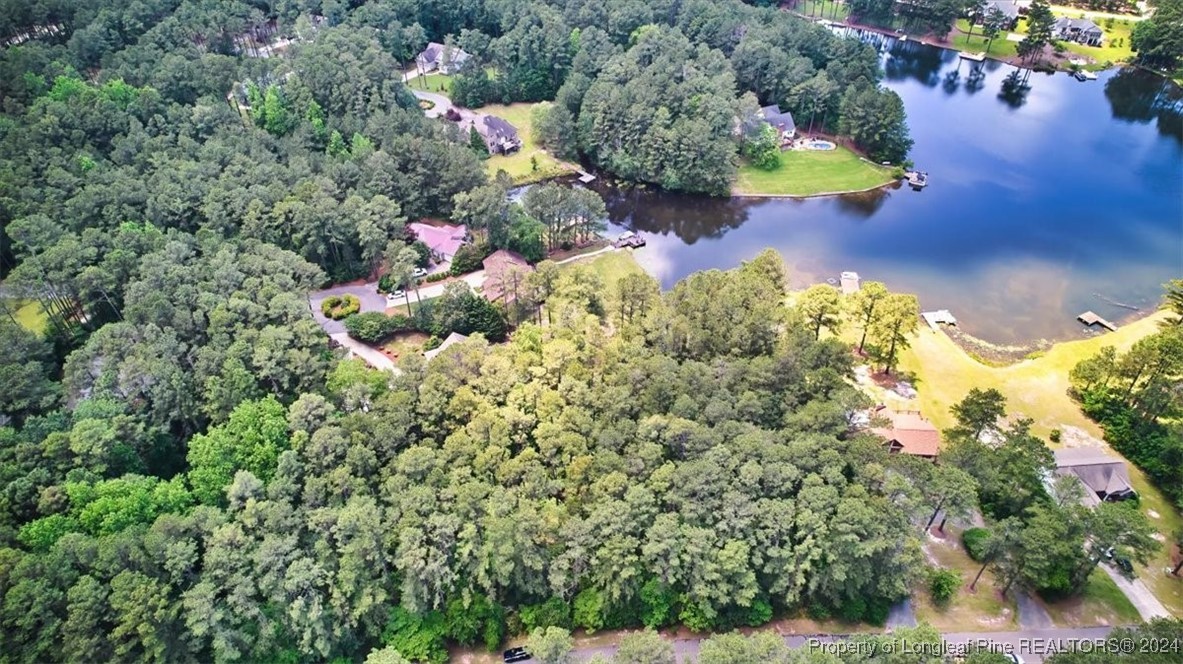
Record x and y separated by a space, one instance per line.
1008 7
914 434
493 127
497 266
850 282
1100 472
453 339
431 54
1081 24
934 318
782 121
444 239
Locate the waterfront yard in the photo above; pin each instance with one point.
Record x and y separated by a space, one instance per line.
1115 47
531 163
1038 389
999 47
811 173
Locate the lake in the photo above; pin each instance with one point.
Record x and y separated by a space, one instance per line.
1043 202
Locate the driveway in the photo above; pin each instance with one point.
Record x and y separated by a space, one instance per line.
901 615
371 356
367 294
1032 615
1139 595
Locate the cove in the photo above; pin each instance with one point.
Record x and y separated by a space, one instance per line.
1048 197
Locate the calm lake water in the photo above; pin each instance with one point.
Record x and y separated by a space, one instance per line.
1042 203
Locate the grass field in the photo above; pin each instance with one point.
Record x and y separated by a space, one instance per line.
999 47
531 163
982 610
436 82
1102 603
830 9
1038 389
29 314
1115 47
811 173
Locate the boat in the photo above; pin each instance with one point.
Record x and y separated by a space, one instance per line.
917 179
1084 75
975 57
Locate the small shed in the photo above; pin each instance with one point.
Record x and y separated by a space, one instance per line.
850 282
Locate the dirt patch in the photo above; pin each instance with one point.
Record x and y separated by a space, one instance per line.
404 343
995 354
1071 436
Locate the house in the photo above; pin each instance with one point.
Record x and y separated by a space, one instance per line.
442 239
1011 9
452 339
781 122
1104 476
1080 30
500 136
447 59
502 270
909 433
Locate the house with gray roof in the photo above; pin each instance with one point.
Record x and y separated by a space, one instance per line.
1011 9
447 59
1104 477
782 122
500 136
1079 30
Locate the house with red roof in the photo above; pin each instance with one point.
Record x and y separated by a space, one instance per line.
909 433
442 239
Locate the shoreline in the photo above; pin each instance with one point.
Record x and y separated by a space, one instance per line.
824 194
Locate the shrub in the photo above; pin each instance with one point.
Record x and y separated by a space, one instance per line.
974 541
818 611
1055 435
337 307
438 276
468 258
373 326
385 283
432 343
943 584
554 612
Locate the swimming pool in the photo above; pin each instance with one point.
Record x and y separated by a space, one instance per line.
816 144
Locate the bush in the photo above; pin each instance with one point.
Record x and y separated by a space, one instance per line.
818 611
1055 435
943 584
468 258
337 307
438 276
385 283
432 343
554 612
372 327
974 541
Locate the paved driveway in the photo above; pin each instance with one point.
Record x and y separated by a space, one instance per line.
367 294
1138 594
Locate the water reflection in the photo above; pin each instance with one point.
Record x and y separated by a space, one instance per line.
1049 198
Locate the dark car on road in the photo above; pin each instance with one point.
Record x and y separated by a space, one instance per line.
516 655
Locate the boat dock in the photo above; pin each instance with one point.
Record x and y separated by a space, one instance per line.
917 179
629 239
586 177
976 57
1090 319
937 318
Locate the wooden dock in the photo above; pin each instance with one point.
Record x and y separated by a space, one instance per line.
1089 318
585 177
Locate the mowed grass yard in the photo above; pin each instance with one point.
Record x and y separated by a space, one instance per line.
531 163
811 173
1114 48
1038 389
437 82
29 314
1000 47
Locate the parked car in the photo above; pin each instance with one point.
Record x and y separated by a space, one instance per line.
1124 565
518 654
420 272
394 297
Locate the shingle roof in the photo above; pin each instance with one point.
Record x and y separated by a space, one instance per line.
443 240
914 434
1100 472
497 265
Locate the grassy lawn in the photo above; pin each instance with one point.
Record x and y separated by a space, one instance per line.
436 82
811 173
611 267
982 610
961 41
1038 389
830 9
531 163
1102 603
404 343
29 314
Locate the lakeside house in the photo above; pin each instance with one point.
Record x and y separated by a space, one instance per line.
505 273
1011 9
499 135
1104 477
442 239
781 121
447 59
1079 30
910 433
